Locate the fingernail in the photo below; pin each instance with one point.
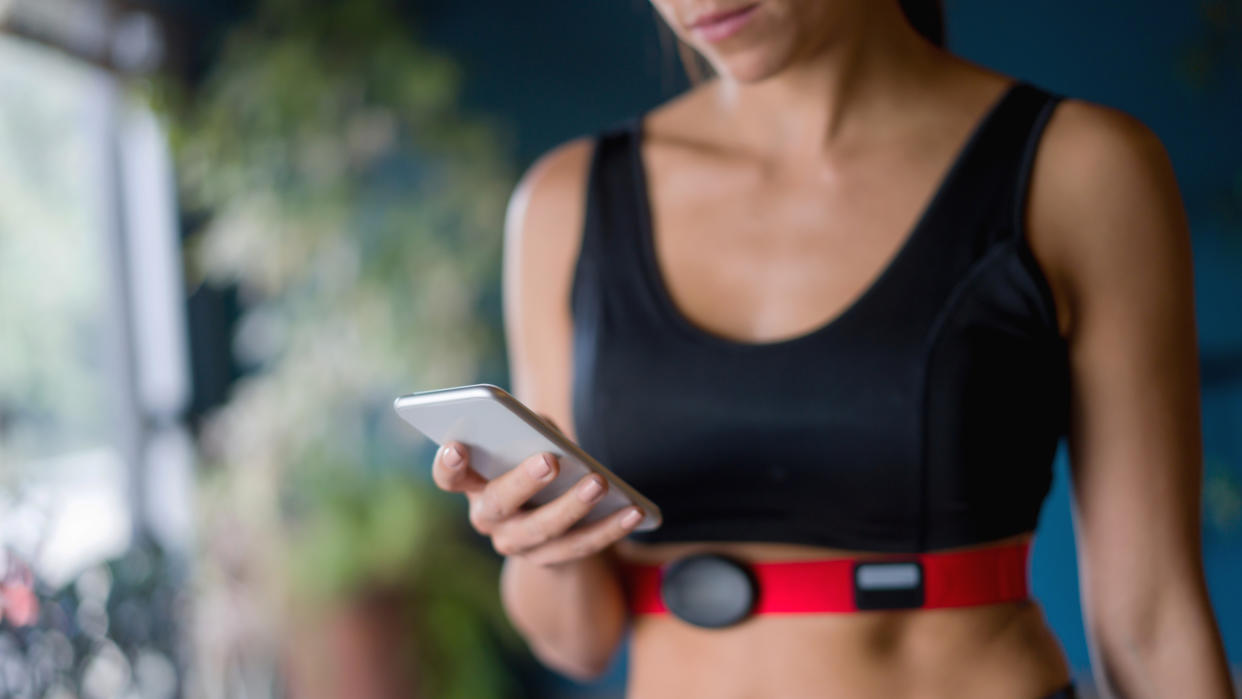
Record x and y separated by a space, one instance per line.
451 457
591 490
540 468
632 518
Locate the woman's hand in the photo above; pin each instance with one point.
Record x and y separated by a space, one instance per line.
540 534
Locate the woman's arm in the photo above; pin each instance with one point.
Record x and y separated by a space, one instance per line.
572 613
1106 217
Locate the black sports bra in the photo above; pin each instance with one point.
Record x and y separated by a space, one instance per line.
926 415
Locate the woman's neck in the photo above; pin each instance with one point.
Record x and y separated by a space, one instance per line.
815 102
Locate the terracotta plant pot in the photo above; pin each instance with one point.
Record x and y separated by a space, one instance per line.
362 647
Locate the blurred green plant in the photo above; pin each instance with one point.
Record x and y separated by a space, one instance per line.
358 211
1213 59
1216 52
385 538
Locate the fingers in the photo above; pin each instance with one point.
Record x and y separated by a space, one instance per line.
504 495
451 470
592 538
544 534
528 530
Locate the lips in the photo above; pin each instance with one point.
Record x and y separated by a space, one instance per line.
720 25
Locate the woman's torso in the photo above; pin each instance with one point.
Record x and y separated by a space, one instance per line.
1004 650
748 260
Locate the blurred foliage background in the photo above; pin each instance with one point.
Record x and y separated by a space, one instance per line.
357 210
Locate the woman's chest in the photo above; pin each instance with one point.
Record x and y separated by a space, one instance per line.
760 258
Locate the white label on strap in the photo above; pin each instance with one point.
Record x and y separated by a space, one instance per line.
888 576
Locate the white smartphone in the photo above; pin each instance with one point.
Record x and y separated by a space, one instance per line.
501 432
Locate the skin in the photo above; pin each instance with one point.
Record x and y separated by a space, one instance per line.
779 189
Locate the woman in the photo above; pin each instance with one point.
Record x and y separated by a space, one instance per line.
837 304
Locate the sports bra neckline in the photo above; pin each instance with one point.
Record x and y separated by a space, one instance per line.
926 417
883 276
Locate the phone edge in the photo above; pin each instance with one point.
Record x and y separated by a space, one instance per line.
532 419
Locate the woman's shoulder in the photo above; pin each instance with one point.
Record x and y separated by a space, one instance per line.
1097 162
1087 139
555 177
546 207
1103 198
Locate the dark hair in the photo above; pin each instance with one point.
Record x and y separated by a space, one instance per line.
926 16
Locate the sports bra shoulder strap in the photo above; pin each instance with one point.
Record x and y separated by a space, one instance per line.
986 185
612 202
612 211
1038 109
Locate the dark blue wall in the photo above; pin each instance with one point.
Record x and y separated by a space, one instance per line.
571 66
558 68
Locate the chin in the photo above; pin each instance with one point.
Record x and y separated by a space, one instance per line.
762 46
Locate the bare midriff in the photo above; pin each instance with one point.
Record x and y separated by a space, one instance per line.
997 650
